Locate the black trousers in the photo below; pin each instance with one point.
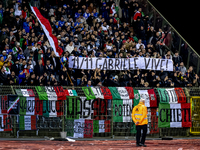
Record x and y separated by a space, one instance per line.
138 135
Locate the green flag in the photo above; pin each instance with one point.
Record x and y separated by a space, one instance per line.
165 120
72 107
22 104
115 93
164 97
88 93
96 126
41 92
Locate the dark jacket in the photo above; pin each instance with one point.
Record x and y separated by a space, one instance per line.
57 64
177 60
15 69
39 70
3 78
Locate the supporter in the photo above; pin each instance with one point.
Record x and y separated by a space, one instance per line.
177 59
70 47
1 61
3 76
85 29
182 69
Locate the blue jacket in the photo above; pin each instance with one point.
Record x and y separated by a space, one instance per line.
86 15
26 27
21 77
96 14
3 57
76 15
61 23
20 56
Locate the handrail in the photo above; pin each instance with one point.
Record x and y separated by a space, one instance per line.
173 28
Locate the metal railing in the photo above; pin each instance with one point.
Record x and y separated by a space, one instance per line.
84 118
177 42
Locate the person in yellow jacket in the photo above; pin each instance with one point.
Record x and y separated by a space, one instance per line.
139 116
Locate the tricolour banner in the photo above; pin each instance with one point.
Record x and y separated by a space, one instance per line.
122 110
27 122
97 92
101 126
25 92
174 115
120 63
148 95
122 92
52 98
171 95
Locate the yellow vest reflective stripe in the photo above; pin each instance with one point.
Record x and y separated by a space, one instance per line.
138 114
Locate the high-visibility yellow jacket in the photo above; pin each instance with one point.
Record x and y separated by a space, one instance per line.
139 114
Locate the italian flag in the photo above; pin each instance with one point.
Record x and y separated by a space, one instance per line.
47 30
51 97
171 95
27 122
51 92
122 110
112 9
97 92
122 92
25 92
101 126
148 95
174 115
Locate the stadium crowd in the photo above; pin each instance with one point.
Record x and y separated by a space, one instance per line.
84 28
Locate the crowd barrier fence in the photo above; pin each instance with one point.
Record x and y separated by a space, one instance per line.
83 118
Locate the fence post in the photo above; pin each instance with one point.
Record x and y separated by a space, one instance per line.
14 127
111 118
13 91
63 118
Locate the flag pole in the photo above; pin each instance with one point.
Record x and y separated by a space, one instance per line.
67 73
46 28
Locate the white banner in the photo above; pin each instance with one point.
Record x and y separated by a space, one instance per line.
120 63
